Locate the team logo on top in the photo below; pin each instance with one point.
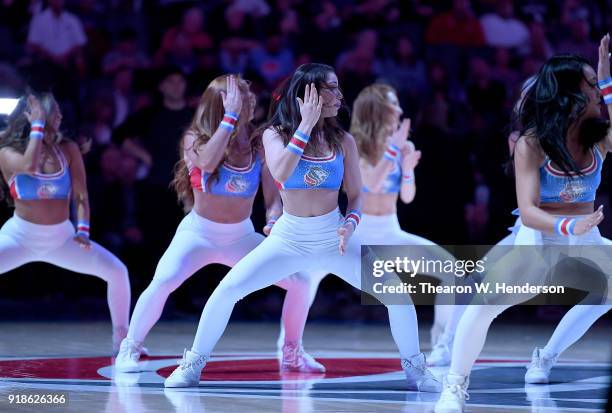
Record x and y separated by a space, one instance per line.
46 191
315 176
236 184
573 191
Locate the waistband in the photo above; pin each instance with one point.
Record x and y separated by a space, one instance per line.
205 224
23 223
331 216
378 220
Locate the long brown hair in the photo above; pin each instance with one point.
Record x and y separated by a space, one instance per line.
16 135
205 122
369 123
285 112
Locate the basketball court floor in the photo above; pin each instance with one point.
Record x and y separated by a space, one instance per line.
363 371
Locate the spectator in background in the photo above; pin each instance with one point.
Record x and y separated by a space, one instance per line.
152 136
458 27
406 72
502 29
100 114
56 40
274 60
182 44
540 45
125 54
255 8
355 67
502 70
123 98
579 41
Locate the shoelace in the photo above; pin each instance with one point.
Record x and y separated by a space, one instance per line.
459 390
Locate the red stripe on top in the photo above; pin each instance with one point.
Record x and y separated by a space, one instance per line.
589 169
278 184
37 129
195 177
13 190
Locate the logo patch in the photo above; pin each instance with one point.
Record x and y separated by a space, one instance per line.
315 176
236 184
573 191
46 191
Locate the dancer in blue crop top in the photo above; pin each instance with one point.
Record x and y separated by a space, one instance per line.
557 161
44 173
310 157
218 179
387 163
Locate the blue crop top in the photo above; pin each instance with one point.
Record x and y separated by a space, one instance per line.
393 181
39 186
316 173
230 180
556 186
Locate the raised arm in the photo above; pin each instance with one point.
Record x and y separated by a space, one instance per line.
410 159
605 83
15 162
282 159
374 177
526 167
208 156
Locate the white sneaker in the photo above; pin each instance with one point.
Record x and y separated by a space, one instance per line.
294 358
418 375
435 332
441 354
128 357
538 371
187 374
454 394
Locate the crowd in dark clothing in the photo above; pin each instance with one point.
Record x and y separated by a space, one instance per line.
128 75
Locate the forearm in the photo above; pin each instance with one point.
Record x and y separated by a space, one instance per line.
536 218
274 209
408 186
31 156
81 200
290 156
208 157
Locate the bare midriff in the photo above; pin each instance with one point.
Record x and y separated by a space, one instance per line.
566 208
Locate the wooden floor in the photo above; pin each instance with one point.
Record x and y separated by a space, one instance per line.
363 372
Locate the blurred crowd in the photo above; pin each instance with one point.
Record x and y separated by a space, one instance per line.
128 75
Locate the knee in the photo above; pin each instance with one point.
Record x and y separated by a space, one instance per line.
119 272
229 291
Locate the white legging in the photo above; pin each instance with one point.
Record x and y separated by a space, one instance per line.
197 243
473 327
22 242
386 230
296 244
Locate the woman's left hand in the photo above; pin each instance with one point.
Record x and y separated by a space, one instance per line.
83 241
344 233
603 65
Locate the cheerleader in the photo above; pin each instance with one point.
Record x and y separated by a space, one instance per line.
219 176
310 157
45 172
557 162
387 162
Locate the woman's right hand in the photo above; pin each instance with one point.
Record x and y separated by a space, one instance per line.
585 224
399 138
232 98
310 107
35 110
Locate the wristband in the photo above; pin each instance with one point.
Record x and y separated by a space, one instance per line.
83 228
391 153
37 129
606 90
565 226
230 119
408 179
271 221
298 142
353 217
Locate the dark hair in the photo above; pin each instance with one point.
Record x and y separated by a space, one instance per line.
552 104
284 116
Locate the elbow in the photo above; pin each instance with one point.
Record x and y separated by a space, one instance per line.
407 198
